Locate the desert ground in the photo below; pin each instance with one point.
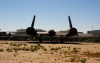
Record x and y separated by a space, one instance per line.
24 52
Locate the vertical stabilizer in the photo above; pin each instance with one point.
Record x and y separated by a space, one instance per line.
70 23
32 25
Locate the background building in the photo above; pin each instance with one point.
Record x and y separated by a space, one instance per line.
94 32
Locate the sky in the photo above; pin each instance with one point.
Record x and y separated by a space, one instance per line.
50 14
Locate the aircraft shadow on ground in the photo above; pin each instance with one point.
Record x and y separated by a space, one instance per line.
53 43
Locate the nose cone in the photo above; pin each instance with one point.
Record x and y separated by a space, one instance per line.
31 31
72 32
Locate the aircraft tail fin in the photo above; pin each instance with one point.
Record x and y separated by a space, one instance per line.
32 25
70 23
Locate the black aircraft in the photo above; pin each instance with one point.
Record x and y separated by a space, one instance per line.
32 31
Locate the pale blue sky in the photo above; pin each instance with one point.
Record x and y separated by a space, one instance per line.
50 14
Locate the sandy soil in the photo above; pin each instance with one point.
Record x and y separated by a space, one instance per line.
22 52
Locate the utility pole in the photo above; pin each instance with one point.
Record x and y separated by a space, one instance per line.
92 28
92 33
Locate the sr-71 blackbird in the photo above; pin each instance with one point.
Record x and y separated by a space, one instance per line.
32 31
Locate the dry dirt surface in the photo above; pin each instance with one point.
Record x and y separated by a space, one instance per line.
23 52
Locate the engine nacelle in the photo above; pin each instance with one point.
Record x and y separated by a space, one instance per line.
31 31
72 32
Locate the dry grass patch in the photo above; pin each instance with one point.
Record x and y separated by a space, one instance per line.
92 54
